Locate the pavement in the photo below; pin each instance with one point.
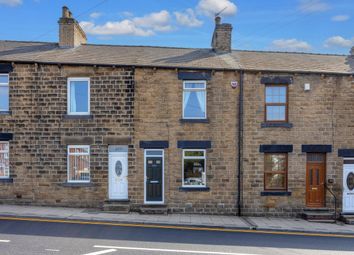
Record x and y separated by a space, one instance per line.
183 221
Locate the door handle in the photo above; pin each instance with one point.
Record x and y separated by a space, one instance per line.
154 181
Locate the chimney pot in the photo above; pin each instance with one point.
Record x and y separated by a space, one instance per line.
217 20
66 13
70 33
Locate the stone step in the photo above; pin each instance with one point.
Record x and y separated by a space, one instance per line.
347 218
153 209
324 215
116 206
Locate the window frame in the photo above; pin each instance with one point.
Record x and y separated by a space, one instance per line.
195 89
194 157
286 104
8 87
274 172
8 152
71 79
78 154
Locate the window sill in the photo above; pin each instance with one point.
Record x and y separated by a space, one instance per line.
187 189
78 117
6 180
194 120
276 125
276 193
77 184
5 112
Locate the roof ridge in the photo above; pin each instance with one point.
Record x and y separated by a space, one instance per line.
291 52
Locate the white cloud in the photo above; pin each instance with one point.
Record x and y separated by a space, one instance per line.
308 6
138 26
124 27
290 45
10 2
95 15
340 18
188 18
338 41
158 21
211 7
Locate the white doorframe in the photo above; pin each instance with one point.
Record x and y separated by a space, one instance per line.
163 175
117 155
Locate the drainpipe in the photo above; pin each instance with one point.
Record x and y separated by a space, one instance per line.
240 145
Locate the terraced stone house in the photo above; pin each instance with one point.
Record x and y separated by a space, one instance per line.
158 129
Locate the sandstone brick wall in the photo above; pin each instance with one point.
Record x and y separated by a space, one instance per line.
323 115
158 110
38 159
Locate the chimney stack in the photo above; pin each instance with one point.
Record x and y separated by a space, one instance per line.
221 42
70 33
352 51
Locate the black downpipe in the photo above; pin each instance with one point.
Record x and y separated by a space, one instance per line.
240 145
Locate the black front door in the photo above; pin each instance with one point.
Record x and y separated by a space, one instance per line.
154 180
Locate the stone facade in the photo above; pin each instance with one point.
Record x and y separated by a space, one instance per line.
158 113
42 130
322 115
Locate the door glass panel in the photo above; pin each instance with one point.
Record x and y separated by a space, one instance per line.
153 153
117 148
311 172
318 176
350 181
118 168
316 157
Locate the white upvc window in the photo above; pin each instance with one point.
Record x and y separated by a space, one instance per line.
78 96
4 160
78 163
4 92
194 168
194 100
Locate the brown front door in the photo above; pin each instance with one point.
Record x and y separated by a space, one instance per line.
315 179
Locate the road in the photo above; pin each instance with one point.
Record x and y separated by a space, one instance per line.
36 238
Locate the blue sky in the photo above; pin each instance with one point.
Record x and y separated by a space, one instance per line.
324 26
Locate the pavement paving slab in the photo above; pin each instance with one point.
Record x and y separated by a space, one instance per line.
258 223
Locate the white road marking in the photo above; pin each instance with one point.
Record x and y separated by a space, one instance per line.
169 250
101 252
4 241
52 250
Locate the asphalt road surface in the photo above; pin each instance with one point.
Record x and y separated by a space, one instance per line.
36 238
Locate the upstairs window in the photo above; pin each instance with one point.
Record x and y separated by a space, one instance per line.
194 168
4 160
78 163
4 92
275 171
276 103
194 100
78 96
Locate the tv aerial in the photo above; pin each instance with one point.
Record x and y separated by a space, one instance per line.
218 13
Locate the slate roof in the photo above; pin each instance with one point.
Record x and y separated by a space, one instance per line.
44 52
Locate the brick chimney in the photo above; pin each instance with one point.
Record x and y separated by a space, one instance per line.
70 33
221 42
